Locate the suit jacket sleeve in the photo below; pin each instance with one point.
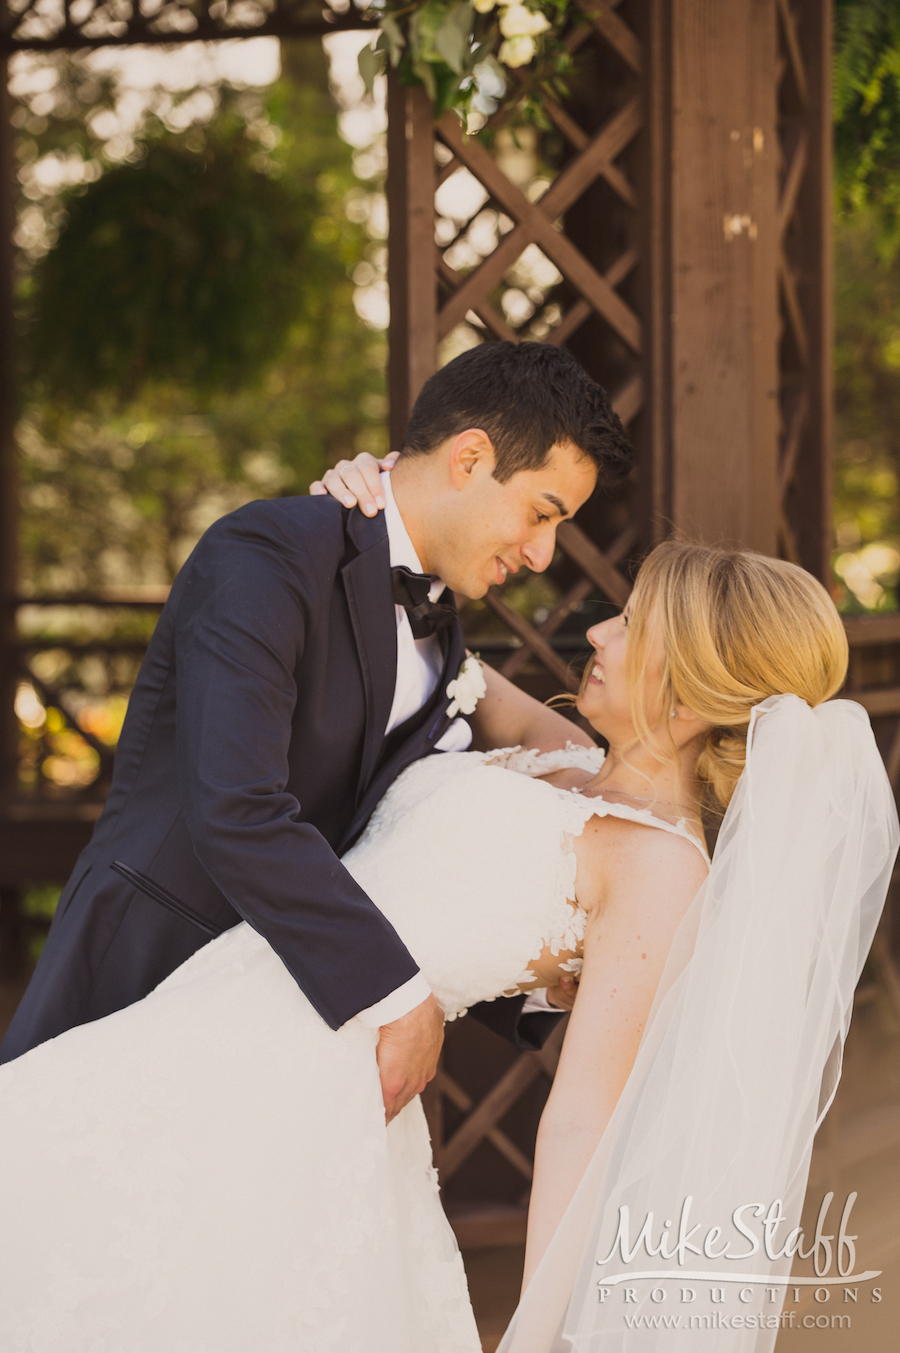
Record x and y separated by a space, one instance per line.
251 599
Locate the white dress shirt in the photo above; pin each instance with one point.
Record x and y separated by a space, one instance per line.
419 666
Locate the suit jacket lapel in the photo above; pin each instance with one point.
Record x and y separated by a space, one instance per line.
367 584
423 730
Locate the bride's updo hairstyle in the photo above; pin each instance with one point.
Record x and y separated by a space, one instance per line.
736 627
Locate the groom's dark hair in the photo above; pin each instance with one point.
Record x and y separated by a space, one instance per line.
526 397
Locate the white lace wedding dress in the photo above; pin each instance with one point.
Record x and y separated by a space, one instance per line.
208 1171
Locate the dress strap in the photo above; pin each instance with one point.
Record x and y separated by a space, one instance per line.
600 807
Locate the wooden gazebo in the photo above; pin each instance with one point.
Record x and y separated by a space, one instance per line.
686 213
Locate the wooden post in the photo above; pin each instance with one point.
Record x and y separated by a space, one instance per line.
711 103
412 279
8 478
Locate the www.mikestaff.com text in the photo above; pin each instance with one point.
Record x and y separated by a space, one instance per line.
718 1320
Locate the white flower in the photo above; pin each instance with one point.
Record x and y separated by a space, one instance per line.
483 6
481 103
468 688
519 22
516 51
490 79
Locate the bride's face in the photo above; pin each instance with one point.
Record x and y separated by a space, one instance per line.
605 695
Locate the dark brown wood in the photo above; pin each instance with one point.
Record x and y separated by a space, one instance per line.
478 1226
722 260
412 339
486 1113
864 631
616 33
457 1095
877 703
40 844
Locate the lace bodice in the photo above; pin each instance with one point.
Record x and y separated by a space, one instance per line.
470 857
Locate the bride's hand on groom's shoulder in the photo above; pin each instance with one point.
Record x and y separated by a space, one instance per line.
356 483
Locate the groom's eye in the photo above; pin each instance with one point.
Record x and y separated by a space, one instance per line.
542 516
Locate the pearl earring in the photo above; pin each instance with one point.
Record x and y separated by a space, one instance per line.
673 714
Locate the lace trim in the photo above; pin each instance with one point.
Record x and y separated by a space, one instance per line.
532 762
600 807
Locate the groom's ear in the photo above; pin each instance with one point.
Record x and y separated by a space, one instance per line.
471 454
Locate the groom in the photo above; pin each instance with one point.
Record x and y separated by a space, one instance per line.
300 664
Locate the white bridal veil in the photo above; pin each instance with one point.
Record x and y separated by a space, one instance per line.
738 1065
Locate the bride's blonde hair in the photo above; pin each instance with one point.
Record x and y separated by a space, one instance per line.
736 627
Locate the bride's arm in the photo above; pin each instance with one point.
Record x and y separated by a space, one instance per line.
639 883
508 717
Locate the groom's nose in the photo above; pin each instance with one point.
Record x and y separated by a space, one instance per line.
538 551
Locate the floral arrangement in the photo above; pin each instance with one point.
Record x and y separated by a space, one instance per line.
463 53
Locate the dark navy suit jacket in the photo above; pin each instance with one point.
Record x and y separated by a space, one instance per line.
252 755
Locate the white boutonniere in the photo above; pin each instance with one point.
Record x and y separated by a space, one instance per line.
468 688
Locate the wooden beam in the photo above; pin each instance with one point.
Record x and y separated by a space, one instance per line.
879 702
531 638
593 562
482 1225
412 279
722 261
876 629
487 1113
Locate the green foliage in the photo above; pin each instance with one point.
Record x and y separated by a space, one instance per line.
463 53
867 302
121 473
867 396
189 265
867 113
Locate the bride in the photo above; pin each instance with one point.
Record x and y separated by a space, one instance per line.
209 1170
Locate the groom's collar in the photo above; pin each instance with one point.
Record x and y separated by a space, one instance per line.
403 551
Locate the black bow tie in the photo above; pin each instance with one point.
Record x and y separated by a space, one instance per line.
411 590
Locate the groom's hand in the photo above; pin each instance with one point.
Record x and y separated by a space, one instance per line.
563 995
408 1051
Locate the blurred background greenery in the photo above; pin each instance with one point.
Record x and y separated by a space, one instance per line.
867 304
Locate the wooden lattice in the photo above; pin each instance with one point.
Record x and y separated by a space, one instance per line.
585 290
